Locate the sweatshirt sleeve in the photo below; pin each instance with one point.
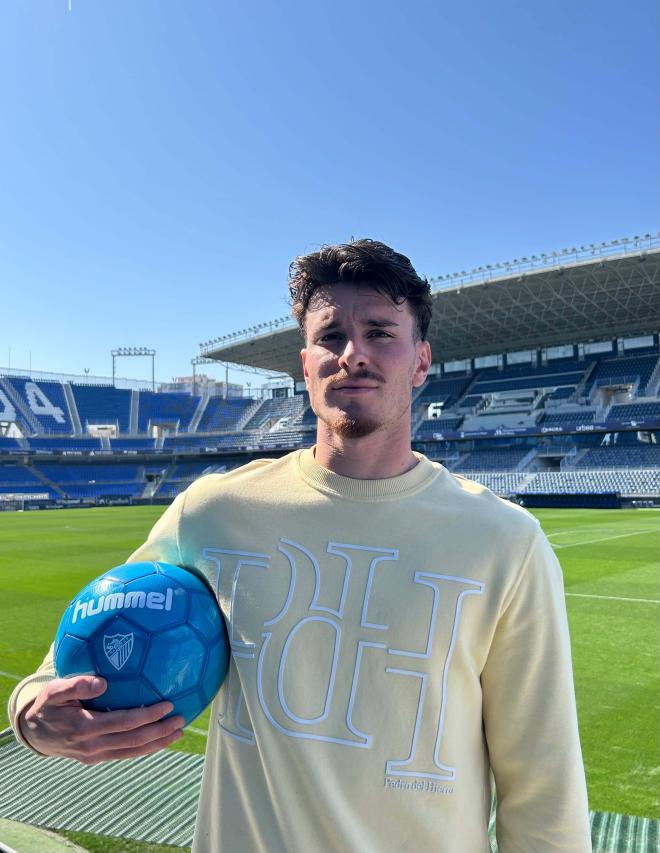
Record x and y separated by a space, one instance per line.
530 717
162 544
26 692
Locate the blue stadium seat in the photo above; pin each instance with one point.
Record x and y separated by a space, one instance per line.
222 415
492 460
46 402
63 445
276 409
633 411
103 404
643 456
157 408
567 418
129 444
623 368
445 423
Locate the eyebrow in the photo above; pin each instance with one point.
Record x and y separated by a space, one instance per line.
373 323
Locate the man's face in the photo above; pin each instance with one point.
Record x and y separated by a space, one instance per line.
361 360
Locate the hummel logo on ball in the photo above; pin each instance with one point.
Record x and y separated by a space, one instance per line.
119 600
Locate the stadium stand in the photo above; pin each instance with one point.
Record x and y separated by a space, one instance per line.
632 411
631 368
223 415
103 490
283 438
492 460
571 419
591 463
430 426
98 404
446 391
629 483
562 393
308 418
47 444
21 480
273 412
132 444
470 402
534 380
92 480
500 483
190 470
621 457
174 410
89 473
208 442
576 416
171 490
45 402
19 475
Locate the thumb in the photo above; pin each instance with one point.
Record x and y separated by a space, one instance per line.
63 690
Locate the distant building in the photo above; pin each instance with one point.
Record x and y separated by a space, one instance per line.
202 383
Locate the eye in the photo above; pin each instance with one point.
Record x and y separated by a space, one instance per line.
329 336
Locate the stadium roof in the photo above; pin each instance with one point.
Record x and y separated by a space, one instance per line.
569 299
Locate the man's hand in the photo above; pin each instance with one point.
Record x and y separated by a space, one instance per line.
57 724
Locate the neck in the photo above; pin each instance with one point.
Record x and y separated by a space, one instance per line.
373 457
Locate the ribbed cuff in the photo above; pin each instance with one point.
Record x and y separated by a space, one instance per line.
23 696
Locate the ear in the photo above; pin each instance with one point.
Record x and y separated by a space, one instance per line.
423 354
303 356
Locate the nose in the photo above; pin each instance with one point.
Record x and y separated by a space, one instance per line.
354 355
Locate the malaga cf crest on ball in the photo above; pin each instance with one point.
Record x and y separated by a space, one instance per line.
154 631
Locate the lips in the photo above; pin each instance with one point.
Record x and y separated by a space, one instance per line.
354 388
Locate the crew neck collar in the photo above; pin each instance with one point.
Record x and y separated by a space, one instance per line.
390 488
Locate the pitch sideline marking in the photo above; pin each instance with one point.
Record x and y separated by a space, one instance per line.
603 539
564 531
12 676
613 597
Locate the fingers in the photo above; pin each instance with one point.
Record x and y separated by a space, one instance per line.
132 751
66 691
139 741
112 722
61 691
57 724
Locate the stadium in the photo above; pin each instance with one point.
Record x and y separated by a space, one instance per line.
545 387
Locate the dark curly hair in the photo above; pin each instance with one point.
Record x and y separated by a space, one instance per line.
367 262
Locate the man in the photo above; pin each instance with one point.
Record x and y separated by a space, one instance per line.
398 633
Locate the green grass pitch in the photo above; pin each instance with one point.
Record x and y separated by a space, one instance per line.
610 561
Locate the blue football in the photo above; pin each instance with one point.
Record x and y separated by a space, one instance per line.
154 631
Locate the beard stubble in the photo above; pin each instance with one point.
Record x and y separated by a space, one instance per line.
346 426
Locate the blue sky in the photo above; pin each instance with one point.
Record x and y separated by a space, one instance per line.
162 162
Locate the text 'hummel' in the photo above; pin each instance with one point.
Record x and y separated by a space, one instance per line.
119 600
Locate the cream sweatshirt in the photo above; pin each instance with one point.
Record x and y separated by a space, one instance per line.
399 646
